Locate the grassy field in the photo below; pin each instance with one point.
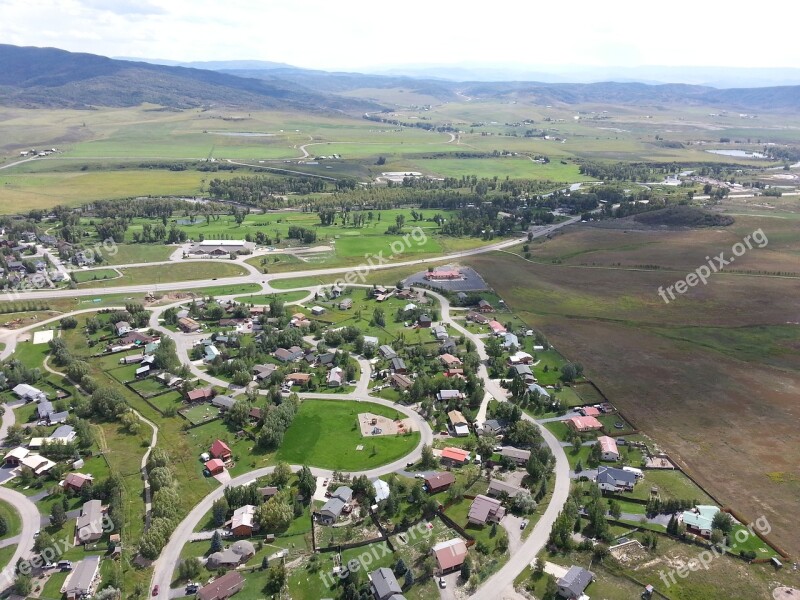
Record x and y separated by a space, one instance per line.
325 434
139 253
12 519
161 275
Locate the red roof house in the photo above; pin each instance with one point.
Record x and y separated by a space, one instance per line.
497 328
220 449
457 456
200 395
215 466
581 424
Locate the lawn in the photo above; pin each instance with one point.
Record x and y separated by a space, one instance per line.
325 434
200 412
139 253
671 484
163 276
267 298
94 275
12 519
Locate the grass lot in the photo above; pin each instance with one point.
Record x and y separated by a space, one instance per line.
139 253
160 275
12 518
267 298
94 275
671 484
325 434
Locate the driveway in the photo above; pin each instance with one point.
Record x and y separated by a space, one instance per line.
449 592
512 525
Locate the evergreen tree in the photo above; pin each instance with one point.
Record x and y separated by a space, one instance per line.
216 542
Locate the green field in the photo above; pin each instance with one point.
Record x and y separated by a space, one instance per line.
12 519
162 275
325 434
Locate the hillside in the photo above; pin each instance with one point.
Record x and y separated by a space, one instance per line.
683 216
48 77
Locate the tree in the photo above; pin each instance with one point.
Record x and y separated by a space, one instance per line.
57 515
216 542
264 563
276 578
23 585
722 521
466 570
550 588
3 525
378 317
306 483
275 515
523 503
614 509
219 512
428 459
131 422
188 569
400 567
281 474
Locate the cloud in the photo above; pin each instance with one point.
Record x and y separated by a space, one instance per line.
123 7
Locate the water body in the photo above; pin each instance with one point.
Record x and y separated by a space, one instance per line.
242 133
738 153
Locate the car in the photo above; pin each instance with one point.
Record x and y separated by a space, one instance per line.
192 588
442 583
324 483
619 425
523 524
36 533
419 476
155 590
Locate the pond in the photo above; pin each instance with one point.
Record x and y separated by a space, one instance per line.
739 153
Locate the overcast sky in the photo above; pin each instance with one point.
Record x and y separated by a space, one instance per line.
351 34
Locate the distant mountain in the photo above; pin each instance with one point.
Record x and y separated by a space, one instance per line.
49 77
213 65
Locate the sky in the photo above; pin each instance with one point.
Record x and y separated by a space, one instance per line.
355 34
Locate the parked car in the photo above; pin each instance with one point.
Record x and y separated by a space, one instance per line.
155 590
442 583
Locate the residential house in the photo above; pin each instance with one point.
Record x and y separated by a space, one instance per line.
534 388
424 321
346 304
384 585
381 488
214 466
581 424
222 588
267 492
188 325
371 340
36 464
326 359
510 340
399 365
409 306
221 450
450 555
700 519
264 372
76 481
450 361
28 393
608 448
58 418
255 414
83 579
298 378
589 411
336 505
454 373
14 457
237 554
200 394
497 328
142 371
387 351
64 434
211 353
572 585
44 408
498 488
458 423
485 510
478 318
137 338
335 376
242 522
223 402
288 354
448 346
493 427
518 455
439 482
456 457
89 526
611 479
447 395
439 332
317 311
484 306
122 328
400 381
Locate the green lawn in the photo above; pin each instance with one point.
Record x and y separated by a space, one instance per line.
267 298
163 276
94 275
12 519
325 434
139 253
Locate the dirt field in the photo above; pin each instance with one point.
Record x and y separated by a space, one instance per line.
714 376
369 422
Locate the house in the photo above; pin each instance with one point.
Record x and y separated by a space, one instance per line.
265 371
485 510
382 490
14 457
222 588
28 393
335 376
399 365
298 378
188 325
337 504
534 389
132 359
443 275
214 466
574 582
267 492
589 411
581 424
211 353
700 519
458 423
64 434
447 395
326 359
384 585
122 328
484 306
455 456
448 360
346 304
57 418
200 394
36 464
439 482
424 321
439 332
288 354
497 488
400 381
608 448
44 408
220 449
255 414
387 351
450 555
611 479
510 340
478 318
89 526
518 455
454 373
239 553
82 580
223 402
371 340
142 371
497 328
221 247
76 481
317 311
493 427
135 337
243 521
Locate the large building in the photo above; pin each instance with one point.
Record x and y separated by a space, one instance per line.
221 247
222 587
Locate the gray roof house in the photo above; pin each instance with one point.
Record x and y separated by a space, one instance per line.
89 526
81 580
384 584
387 351
58 417
44 408
615 480
516 454
333 508
574 582
222 401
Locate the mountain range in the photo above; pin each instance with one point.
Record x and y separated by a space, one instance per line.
49 77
